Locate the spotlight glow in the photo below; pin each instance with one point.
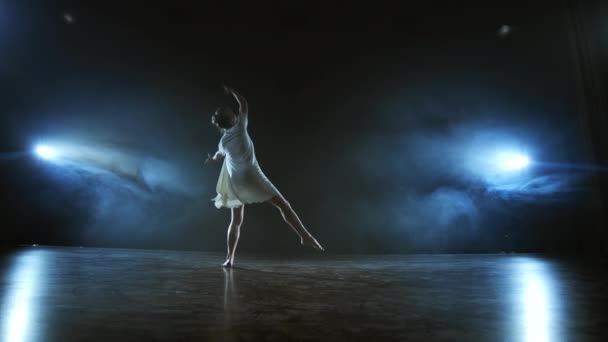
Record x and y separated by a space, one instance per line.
513 161
45 152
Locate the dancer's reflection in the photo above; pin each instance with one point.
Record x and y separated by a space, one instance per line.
230 296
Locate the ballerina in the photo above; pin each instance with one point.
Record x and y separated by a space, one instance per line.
241 179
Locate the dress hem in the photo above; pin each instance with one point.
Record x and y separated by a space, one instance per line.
235 203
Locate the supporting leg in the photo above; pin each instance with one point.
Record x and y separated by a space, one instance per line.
234 231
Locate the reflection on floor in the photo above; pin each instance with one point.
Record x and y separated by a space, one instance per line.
86 294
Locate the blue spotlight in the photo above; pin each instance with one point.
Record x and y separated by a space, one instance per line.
45 152
512 161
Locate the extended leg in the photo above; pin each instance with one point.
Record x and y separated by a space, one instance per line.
234 231
292 219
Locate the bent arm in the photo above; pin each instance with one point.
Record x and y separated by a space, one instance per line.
218 156
243 105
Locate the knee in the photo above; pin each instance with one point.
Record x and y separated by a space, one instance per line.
236 222
284 206
234 232
284 210
235 227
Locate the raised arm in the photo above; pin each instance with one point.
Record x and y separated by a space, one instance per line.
243 106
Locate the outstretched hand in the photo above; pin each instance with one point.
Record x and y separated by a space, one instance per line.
215 158
210 158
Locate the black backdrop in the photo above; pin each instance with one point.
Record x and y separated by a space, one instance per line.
361 115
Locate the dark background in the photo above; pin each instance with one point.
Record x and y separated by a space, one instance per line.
366 117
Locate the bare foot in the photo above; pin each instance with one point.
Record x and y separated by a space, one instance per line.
227 263
312 242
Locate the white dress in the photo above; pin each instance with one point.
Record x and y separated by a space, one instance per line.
241 179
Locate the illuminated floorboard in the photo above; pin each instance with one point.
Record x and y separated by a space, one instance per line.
89 294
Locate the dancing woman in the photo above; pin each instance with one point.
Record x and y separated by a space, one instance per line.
241 179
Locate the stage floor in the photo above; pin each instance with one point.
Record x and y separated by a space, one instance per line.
90 294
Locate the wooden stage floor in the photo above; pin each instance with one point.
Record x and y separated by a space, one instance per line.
95 294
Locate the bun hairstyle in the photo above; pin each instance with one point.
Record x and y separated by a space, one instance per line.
221 118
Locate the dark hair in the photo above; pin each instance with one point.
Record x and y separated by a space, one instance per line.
221 119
